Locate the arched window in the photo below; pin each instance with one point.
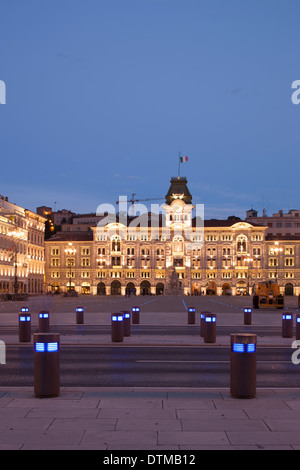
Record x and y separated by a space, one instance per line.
241 242
115 243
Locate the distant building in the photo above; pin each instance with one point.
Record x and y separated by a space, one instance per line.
22 259
63 216
55 219
280 224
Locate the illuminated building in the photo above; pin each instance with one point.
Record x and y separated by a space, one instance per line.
132 254
22 263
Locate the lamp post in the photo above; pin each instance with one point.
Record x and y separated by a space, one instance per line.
18 235
70 252
248 261
277 250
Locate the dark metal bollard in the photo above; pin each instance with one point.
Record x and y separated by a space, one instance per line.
24 327
79 315
298 326
243 365
255 301
191 315
210 321
247 316
44 322
126 321
135 311
202 322
46 365
287 325
117 327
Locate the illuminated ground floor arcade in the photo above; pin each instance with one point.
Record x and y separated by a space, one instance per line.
145 287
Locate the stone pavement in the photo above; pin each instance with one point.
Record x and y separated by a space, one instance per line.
149 419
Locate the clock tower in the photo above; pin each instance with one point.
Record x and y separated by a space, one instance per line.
178 205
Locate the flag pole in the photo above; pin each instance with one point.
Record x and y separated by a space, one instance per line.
179 165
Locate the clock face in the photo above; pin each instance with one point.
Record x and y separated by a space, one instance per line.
177 208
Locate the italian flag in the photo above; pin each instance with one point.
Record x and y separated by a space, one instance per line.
183 159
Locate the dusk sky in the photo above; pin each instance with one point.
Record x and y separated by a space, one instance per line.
102 95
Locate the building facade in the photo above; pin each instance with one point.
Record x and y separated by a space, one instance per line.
142 254
22 257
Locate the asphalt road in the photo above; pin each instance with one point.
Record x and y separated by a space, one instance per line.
98 331
140 366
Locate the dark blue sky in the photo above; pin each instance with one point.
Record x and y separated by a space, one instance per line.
102 95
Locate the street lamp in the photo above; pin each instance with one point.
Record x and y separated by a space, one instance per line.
277 250
70 252
18 235
248 260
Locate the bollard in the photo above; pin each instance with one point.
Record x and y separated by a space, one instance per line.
287 325
135 315
255 301
24 327
191 315
202 322
210 328
79 315
126 322
243 365
44 322
117 327
247 316
298 326
46 365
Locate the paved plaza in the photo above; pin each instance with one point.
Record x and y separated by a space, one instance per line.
150 419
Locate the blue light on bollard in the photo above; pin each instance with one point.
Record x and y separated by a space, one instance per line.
117 318
24 309
238 347
242 348
287 325
210 319
43 315
79 315
243 365
24 327
46 347
24 318
210 328
44 322
135 315
251 347
46 364
191 315
247 316
117 328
